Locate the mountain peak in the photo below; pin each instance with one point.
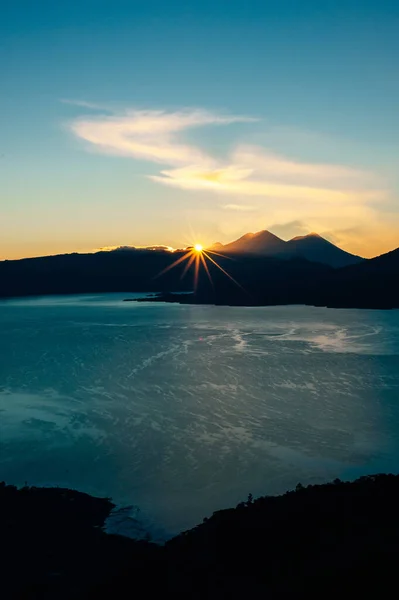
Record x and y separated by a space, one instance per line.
261 242
215 246
266 234
311 235
315 248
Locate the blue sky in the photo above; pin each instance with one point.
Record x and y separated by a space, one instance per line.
142 122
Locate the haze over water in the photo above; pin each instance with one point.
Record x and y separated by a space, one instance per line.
182 410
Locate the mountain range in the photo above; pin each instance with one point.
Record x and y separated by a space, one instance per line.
313 247
261 269
266 281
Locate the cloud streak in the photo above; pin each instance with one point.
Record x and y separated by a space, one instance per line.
151 135
159 137
238 181
239 207
275 167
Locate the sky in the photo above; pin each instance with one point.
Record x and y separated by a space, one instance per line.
142 122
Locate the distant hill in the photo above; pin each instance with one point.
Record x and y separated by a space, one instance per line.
312 247
387 263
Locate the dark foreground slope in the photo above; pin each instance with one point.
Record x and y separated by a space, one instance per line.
340 539
52 545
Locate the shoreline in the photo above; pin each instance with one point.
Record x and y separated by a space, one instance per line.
188 298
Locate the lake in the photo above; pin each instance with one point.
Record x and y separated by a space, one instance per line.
177 411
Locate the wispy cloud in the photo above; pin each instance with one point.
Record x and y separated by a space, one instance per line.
290 229
239 207
128 247
276 167
85 104
325 195
158 137
152 135
367 238
246 182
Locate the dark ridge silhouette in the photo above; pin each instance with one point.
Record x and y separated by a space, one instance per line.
333 540
263 280
119 270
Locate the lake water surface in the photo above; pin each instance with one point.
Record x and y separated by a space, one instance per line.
182 410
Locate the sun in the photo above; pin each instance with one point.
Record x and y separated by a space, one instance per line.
195 256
